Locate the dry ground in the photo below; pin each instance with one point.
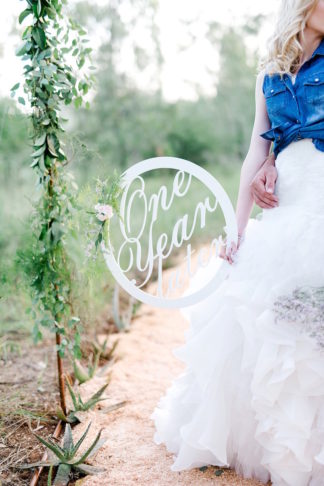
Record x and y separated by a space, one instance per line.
144 368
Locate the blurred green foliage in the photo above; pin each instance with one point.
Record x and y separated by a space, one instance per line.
124 125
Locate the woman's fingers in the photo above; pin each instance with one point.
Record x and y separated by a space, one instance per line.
265 203
228 255
230 252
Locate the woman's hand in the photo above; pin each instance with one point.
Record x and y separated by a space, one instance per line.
231 251
263 184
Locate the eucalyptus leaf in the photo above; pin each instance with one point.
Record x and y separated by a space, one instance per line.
39 151
49 80
16 86
39 37
24 14
39 7
41 163
40 140
53 144
34 163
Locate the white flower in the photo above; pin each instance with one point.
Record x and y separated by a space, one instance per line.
104 211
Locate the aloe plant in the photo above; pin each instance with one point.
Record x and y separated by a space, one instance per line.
105 353
81 406
65 457
81 373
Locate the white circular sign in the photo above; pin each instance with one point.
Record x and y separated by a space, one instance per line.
161 200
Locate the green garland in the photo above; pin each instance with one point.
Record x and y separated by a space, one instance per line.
49 82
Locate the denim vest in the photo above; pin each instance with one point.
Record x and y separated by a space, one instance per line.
296 110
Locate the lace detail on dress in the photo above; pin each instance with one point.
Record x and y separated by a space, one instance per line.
304 307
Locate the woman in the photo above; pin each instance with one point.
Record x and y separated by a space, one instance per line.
252 395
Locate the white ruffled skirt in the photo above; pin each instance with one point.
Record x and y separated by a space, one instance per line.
252 394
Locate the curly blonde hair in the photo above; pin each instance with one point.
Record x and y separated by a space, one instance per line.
284 51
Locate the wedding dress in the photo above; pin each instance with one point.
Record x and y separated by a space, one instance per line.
252 395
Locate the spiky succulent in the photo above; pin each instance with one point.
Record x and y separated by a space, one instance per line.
81 406
81 373
65 457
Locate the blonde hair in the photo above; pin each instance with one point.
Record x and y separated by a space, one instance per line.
284 51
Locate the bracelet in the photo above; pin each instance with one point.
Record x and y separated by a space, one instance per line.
240 238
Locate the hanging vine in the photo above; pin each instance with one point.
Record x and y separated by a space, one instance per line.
49 82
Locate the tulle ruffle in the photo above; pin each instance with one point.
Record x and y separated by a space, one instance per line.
252 394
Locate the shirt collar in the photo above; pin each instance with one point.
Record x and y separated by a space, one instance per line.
319 49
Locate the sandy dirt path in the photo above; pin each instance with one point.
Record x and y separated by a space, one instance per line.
144 368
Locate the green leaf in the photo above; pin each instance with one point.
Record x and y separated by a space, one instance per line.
16 86
81 62
68 439
53 144
98 394
73 397
39 37
78 102
34 163
36 464
91 403
45 54
92 449
72 419
21 100
60 415
37 335
26 35
24 14
50 476
115 406
23 48
39 151
57 231
53 447
41 162
40 140
63 475
87 469
39 8
80 372
78 444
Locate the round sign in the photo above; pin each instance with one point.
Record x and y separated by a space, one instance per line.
162 200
